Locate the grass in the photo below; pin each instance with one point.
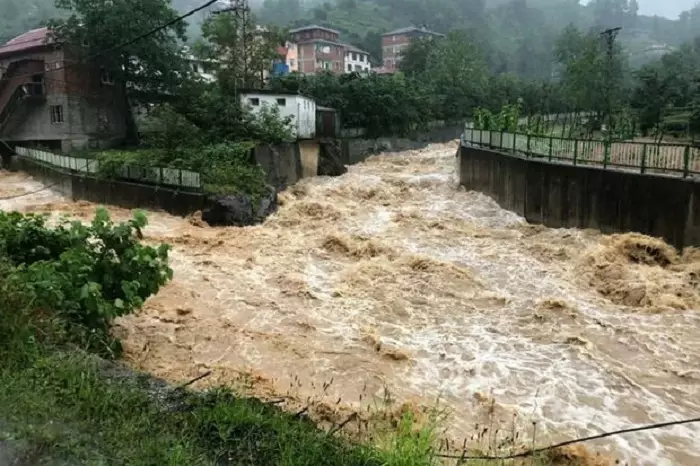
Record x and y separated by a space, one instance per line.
62 406
74 408
70 407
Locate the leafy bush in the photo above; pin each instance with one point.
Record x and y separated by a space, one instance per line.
267 125
170 129
79 276
225 167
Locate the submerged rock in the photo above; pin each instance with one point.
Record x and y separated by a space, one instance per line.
330 162
239 209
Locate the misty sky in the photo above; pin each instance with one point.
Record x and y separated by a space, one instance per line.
668 8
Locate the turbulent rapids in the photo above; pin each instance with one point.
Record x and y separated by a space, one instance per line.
393 279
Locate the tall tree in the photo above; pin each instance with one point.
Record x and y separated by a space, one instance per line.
148 67
243 50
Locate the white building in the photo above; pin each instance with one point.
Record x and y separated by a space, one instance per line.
356 60
300 108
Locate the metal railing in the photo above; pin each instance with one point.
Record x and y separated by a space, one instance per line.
157 175
644 157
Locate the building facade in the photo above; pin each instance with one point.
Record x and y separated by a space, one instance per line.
356 60
302 110
49 99
318 50
394 42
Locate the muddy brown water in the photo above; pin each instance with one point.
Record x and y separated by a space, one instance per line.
393 279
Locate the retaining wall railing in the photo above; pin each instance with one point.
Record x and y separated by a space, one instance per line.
671 159
171 177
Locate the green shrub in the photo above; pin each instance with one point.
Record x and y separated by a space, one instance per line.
226 168
79 277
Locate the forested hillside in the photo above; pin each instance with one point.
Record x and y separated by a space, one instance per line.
17 16
516 36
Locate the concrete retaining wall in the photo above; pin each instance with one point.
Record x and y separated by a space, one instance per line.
285 164
118 193
559 195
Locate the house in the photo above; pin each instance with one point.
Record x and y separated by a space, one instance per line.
205 68
318 49
287 62
292 57
301 109
394 42
356 60
49 99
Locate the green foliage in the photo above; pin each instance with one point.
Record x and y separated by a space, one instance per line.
153 64
83 275
383 104
224 167
239 51
266 125
505 120
227 168
171 130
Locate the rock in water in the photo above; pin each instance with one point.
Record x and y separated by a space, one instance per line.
239 209
330 161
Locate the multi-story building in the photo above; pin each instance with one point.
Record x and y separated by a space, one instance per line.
318 49
394 42
356 60
48 98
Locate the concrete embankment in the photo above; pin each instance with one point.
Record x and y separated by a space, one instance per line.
560 195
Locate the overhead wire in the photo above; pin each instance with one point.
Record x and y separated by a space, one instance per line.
130 41
535 451
102 52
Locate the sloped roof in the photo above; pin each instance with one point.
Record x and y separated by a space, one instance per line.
352 48
312 27
28 40
410 29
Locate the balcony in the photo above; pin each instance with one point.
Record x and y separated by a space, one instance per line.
34 91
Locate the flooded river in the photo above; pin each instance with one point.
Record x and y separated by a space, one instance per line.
392 279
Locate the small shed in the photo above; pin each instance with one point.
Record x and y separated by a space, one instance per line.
327 122
302 109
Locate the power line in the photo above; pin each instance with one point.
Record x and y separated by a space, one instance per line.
536 451
116 47
130 41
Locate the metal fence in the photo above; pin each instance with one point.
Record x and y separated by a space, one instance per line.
672 159
159 176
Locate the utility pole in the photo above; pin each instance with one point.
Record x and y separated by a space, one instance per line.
609 35
240 10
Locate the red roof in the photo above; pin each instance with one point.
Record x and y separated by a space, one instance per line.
26 41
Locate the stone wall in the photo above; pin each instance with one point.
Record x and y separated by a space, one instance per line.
117 193
567 196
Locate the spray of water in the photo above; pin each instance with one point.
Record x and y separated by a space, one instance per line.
392 276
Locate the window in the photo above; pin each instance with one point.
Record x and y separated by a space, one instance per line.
326 65
349 67
254 101
282 102
362 58
106 78
354 56
56 113
358 67
291 62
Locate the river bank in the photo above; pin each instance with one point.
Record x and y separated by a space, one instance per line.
392 279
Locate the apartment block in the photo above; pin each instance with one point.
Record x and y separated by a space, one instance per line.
394 42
